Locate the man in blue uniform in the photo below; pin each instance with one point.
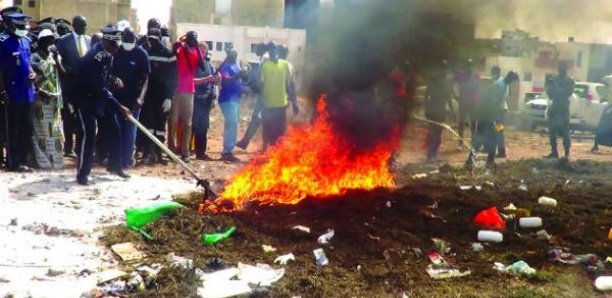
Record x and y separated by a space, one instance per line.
96 101
131 66
16 89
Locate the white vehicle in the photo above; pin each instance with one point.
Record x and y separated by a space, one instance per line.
586 106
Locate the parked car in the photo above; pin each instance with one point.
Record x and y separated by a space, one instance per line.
587 104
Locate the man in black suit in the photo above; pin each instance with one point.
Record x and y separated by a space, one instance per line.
72 47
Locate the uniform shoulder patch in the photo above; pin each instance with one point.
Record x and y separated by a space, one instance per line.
4 37
99 56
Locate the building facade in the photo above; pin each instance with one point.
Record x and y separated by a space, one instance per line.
260 13
99 13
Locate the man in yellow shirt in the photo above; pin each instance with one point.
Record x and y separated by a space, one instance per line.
278 91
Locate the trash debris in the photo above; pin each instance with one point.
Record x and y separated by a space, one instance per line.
434 205
436 259
137 218
563 255
110 275
320 257
302 228
149 273
517 268
490 219
135 283
419 176
388 204
470 187
604 283
442 273
179 261
543 235
522 212
268 248
546 201
217 237
325 238
522 185
530 222
440 245
223 288
417 252
490 236
114 288
284 259
489 183
53 272
127 251
260 274
477 247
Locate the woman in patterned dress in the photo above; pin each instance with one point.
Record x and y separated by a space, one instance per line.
47 138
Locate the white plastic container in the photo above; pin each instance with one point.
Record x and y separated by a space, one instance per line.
546 201
490 236
604 283
530 222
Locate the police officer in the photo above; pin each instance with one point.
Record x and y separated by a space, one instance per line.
559 90
16 89
160 90
96 101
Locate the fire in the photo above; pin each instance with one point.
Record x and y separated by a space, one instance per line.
311 162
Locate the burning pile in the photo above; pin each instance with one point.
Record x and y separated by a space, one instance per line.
314 161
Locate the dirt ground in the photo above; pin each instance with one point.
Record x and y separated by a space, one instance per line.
381 251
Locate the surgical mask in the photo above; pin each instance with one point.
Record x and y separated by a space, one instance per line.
128 46
21 32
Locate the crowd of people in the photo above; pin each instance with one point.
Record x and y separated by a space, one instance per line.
483 109
64 94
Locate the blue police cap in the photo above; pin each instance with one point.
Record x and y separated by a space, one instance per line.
17 18
111 33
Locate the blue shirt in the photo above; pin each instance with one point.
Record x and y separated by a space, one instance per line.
15 66
132 67
230 89
93 79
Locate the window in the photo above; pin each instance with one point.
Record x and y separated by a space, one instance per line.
31 3
229 46
253 47
209 44
219 46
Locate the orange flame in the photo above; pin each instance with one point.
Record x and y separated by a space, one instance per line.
310 162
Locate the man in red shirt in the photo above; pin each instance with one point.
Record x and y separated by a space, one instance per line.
181 112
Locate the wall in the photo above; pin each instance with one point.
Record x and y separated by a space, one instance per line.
99 13
259 13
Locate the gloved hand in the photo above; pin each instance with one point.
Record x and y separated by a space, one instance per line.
167 105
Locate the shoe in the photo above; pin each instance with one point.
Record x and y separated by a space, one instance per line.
71 154
242 144
230 158
501 155
82 181
186 159
595 150
204 157
120 173
552 156
20 169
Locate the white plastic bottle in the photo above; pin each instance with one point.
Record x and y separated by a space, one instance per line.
546 201
490 236
604 283
530 222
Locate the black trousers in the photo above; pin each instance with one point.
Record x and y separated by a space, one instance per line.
434 139
202 105
18 133
112 131
274 124
559 126
154 119
256 119
69 123
485 133
2 132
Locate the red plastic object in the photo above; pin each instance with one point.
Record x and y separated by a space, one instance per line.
490 219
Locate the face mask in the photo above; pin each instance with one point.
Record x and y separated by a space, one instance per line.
21 32
128 46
